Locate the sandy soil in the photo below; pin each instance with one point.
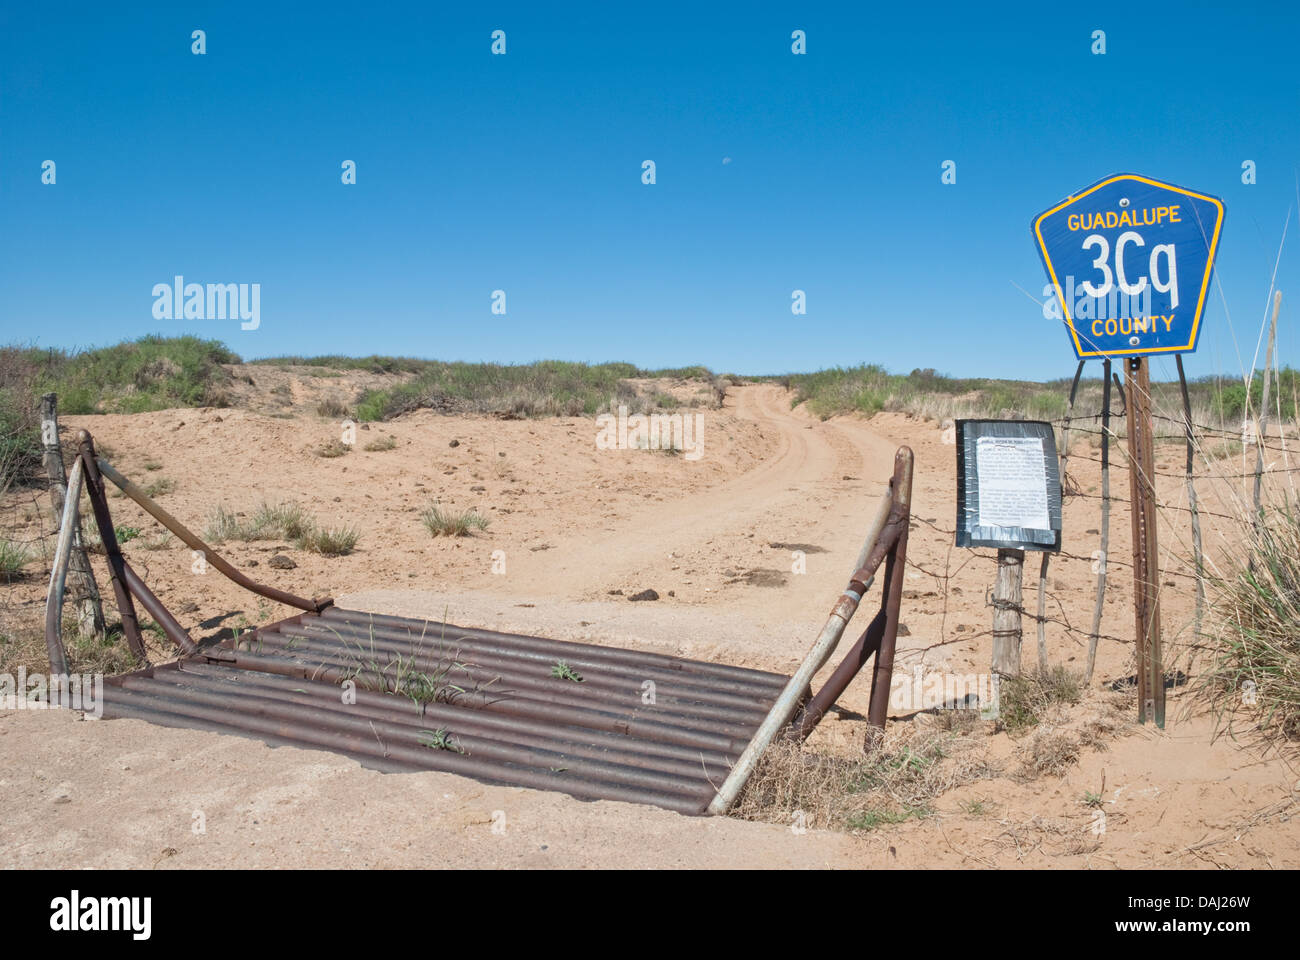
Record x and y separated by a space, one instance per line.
715 538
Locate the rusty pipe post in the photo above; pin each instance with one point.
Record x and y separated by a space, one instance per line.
104 520
58 576
194 543
162 616
895 570
853 662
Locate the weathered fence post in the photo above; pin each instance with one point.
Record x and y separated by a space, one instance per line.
1261 434
1042 569
90 610
1192 503
1099 603
1007 596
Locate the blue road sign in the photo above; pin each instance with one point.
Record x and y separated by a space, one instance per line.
1129 259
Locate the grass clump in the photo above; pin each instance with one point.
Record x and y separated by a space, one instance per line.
135 376
439 740
1254 668
420 677
330 541
380 444
160 487
333 448
108 654
449 523
282 521
900 779
1024 701
333 408
562 671
224 525
278 521
334 362
13 557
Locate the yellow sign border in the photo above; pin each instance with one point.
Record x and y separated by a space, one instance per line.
1205 281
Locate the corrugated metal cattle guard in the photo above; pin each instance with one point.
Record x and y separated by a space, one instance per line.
642 727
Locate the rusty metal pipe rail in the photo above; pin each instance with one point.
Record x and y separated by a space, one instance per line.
186 536
54 647
850 666
112 551
886 540
162 616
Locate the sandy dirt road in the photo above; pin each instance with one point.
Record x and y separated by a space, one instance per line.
581 530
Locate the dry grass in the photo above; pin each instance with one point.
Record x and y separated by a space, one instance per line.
1025 701
333 408
330 541
279 521
282 521
13 557
160 487
381 443
1253 673
899 780
448 523
1065 727
23 645
333 448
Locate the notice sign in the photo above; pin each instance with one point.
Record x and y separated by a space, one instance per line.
1008 485
1012 482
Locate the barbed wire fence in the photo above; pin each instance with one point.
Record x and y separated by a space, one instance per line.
1182 560
32 490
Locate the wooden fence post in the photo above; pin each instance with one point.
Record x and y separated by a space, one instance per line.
1262 433
1099 603
1042 569
1007 594
90 609
1192 503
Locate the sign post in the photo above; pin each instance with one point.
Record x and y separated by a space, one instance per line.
1146 551
1009 497
1130 259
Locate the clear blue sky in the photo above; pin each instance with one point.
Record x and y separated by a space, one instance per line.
523 172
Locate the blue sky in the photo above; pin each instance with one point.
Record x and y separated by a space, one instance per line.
523 173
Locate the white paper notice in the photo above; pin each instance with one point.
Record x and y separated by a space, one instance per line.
1012 482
